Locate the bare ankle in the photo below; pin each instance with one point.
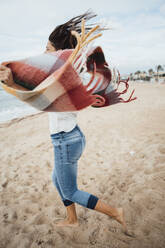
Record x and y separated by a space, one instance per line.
72 220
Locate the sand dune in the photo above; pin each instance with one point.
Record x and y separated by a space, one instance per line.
123 164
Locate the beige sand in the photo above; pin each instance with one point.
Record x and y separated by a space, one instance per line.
123 164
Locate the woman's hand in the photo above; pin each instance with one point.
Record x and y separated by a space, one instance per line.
6 75
7 78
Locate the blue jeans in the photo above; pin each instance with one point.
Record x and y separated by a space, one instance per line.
68 147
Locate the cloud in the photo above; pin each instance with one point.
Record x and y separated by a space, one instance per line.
162 9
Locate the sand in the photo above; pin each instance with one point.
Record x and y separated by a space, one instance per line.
123 164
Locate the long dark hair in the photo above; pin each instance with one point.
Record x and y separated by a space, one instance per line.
61 37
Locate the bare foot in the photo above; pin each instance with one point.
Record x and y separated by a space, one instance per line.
68 223
120 218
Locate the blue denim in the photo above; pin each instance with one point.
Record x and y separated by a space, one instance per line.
68 147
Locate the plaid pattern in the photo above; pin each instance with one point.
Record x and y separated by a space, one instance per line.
52 83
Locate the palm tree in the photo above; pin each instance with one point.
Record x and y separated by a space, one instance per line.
131 76
158 69
138 74
150 72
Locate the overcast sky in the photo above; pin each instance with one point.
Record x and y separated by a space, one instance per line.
136 40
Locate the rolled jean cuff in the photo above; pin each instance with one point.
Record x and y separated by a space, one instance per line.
67 203
92 201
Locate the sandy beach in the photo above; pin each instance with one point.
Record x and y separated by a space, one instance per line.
123 164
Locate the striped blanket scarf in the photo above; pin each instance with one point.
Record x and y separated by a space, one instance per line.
54 82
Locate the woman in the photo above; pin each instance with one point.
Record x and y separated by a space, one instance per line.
68 139
69 142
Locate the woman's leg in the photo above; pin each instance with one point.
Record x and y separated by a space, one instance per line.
66 169
70 206
67 154
71 176
71 219
116 213
78 196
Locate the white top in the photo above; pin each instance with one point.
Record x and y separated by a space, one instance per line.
65 121
62 121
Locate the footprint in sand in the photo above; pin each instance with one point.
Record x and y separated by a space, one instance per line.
4 182
39 219
10 216
161 149
122 187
